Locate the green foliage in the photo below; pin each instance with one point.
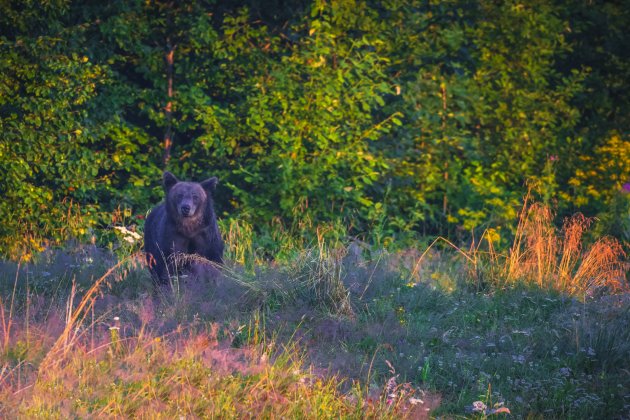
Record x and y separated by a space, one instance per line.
388 117
45 143
310 116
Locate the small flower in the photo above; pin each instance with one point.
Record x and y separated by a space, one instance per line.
128 235
479 407
626 188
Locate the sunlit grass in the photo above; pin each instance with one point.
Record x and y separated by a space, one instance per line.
328 330
560 259
544 256
70 358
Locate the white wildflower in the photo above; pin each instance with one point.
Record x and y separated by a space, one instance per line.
479 407
565 371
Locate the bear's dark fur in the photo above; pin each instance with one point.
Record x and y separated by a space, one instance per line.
184 224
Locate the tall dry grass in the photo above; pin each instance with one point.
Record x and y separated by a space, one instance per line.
77 315
323 269
561 259
190 371
238 241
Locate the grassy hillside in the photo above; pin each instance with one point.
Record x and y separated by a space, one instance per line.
327 329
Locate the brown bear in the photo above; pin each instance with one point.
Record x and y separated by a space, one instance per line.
184 224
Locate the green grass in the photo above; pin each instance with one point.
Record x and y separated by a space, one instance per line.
327 331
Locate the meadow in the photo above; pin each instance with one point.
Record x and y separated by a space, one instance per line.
328 328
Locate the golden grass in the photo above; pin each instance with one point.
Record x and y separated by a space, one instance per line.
559 259
544 256
237 235
76 316
77 370
192 375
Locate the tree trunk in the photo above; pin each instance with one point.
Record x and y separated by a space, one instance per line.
168 109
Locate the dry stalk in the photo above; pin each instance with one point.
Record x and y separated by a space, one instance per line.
556 260
75 319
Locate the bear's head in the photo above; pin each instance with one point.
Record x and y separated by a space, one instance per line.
187 200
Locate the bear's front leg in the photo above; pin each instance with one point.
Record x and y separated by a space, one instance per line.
178 247
157 265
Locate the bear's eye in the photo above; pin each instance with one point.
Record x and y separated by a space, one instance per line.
180 196
195 197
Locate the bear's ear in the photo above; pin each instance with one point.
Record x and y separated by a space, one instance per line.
168 180
210 184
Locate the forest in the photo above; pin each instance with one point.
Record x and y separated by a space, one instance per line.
424 208
397 118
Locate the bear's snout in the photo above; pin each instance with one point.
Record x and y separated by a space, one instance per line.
186 210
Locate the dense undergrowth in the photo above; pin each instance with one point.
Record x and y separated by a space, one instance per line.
327 328
392 116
